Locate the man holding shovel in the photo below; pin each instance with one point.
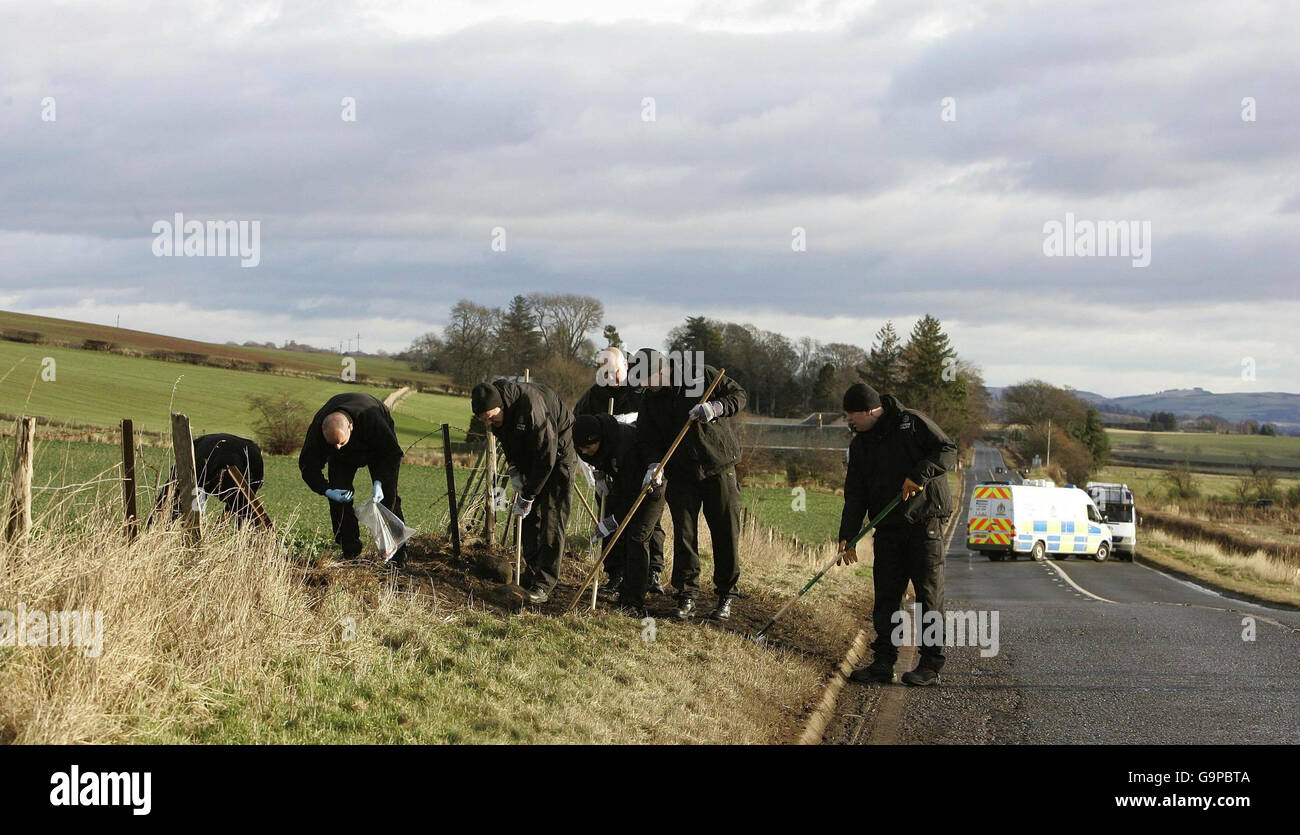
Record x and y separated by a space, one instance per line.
611 447
349 432
896 449
535 432
701 475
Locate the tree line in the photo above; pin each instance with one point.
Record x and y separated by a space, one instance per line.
552 335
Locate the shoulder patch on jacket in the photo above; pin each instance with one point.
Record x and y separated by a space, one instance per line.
906 422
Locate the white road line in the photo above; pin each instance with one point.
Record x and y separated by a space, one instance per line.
1053 566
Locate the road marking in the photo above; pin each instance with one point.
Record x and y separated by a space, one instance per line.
1054 567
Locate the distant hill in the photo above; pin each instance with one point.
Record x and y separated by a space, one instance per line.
295 360
1277 407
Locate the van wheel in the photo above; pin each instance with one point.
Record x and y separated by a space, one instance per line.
1040 550
1103 552
994 556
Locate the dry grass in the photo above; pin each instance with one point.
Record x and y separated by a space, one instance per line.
1258 574
237 642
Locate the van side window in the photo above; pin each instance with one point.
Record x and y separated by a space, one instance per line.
1092 514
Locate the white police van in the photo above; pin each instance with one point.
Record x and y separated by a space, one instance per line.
1007 520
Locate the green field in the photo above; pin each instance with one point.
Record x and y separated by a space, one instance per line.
1150 483
69 334
1203 449
100 389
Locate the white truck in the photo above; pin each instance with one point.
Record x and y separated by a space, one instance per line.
1115 501
1007 520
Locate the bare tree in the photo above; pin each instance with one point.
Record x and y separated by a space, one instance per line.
469 342
565 319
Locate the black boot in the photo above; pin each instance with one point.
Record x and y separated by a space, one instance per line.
923 676
685 608
538 595
722 611
879 671
655 585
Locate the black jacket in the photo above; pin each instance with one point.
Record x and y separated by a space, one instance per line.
536 432
627 399
373 441
215 452
903 444
708 448
620 458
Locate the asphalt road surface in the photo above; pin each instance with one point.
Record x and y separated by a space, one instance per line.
1089 652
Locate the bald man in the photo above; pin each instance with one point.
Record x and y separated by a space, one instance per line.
349 432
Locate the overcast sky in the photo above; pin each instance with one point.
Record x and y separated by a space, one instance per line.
768 116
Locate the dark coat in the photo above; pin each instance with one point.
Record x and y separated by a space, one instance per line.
536 431
622 460
373 441
903 444
708 448
595 401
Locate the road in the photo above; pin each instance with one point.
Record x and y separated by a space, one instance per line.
1089 652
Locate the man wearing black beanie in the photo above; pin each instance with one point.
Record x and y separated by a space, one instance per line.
534 429
896 449
611 447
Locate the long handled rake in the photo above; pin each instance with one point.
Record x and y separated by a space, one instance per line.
761 635
645 491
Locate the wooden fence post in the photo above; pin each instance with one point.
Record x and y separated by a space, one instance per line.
128 479
490 462
20 508
451 490
187 483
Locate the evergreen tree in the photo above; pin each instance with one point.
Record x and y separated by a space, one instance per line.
884 366
519 340
612 339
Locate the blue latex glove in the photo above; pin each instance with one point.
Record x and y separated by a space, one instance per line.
522 506
377 492
339 495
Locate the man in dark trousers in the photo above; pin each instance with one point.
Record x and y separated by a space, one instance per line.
611 447
535 432
612 387
702 472
212 455
897 450
349 432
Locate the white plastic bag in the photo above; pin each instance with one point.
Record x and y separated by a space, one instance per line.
388 531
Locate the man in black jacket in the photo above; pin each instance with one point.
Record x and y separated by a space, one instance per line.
898 450
535 432
349 432
611 447
612 387
701 474
213 453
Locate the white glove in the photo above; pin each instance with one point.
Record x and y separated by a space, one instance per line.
629 418
377 492
651 478
606 527
708 411
602 483
521 506
516 479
